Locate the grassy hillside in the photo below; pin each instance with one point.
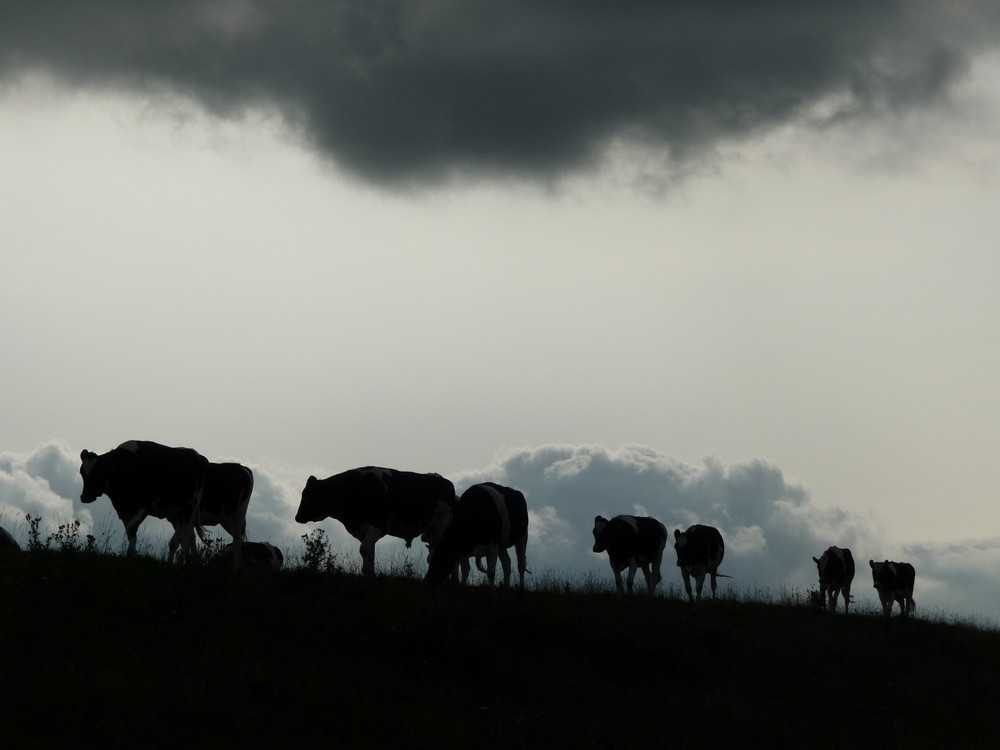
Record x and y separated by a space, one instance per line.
103 651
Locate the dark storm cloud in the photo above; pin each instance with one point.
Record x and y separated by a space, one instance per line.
403 91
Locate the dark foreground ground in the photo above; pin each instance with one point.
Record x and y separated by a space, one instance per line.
101 651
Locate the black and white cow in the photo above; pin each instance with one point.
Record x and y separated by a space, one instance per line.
373 502
7 542
894 582
142 478
700 550
836 571
487 520
259 555
632 542
224 502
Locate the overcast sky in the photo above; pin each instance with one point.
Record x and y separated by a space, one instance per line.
714 264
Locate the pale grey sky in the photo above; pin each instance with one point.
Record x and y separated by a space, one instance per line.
199 251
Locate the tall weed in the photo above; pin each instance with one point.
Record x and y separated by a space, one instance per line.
319 557
66 538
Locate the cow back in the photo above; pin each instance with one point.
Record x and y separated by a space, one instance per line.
699 545
625 537
415 500
893 576
228 487
907 576
836 566
404 503
141 474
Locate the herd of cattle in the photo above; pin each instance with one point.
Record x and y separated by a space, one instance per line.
143 479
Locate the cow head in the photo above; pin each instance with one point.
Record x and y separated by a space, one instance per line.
830 566
884 581
439 522
96 475
680 547
883 574
599 543
441 560
312 507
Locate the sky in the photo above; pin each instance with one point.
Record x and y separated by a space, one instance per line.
708 262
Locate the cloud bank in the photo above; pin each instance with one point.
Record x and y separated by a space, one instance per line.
771 526
400 93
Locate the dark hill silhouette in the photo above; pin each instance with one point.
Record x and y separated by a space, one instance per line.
102 650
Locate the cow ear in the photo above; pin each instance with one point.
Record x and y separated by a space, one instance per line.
677 533
310 480
815 560
872 564
598 519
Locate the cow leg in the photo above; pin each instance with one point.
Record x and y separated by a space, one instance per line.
238 549
193 524
631 575
367 551
491 567
521 549
372 535
132 530
886 602
618 578
699 583
834 593
183 535
846 589
188 544
465 569
237 529
505 564
649 578
175 540
657 576
687 583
